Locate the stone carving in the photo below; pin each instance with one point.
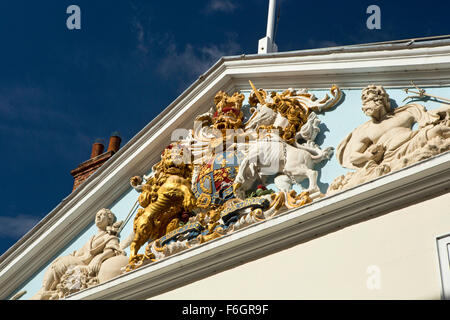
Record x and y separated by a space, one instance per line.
204 186
271 155
281 120
98 260
388 142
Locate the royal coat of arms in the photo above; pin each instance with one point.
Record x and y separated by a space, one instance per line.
214 183
215 180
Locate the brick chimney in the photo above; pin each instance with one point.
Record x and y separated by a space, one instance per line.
114 142
97 148
98 158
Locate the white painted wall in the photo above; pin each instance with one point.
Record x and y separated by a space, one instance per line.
402 244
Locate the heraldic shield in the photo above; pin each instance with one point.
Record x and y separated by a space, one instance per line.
214 184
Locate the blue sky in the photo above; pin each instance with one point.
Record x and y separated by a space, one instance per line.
61 89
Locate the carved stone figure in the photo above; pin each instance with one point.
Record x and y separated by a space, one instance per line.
79 270
281 119
164 198
271 155
388 142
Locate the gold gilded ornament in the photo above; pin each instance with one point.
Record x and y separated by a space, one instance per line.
294 106
228 111
295 201
164 197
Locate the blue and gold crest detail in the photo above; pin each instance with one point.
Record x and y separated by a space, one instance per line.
214 184
189 231
228 214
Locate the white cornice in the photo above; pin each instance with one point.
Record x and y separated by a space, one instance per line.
74 214
430 66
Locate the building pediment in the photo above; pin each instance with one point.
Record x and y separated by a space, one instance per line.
315 75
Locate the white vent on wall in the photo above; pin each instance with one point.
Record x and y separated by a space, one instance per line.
443 245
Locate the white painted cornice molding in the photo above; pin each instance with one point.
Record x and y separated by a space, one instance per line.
430 66
344 67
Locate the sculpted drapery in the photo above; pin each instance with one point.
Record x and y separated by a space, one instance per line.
81 268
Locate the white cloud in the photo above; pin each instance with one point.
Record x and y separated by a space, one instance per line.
193 61
17 226
220 6
140 26
140 36
33 121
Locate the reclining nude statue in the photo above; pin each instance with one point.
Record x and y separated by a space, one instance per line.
388 141
98 260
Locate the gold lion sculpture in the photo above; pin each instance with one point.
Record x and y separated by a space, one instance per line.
164 198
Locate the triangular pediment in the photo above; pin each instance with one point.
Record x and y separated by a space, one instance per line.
330 78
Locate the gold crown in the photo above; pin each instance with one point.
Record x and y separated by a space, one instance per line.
224 103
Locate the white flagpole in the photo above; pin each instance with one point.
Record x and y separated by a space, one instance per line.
271 18
267 44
